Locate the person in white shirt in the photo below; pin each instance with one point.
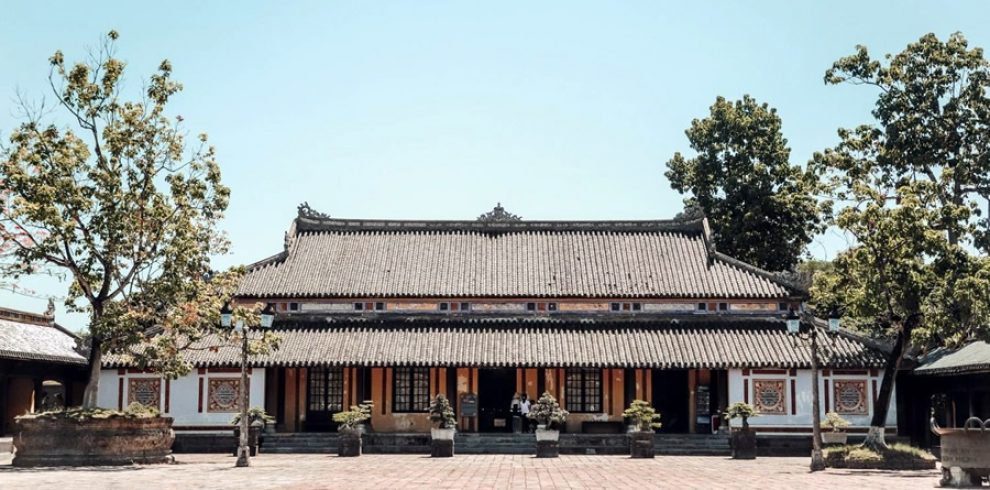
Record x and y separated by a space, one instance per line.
524 411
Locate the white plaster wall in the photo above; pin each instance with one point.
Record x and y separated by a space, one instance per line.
184 392
803 394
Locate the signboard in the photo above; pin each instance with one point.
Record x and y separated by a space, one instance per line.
469 405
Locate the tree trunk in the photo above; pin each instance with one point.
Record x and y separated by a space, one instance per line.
875 437
95 366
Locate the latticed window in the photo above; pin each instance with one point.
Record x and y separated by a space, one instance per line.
410 389
326 390
583 390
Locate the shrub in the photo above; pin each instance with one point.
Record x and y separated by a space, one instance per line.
643 416
134 410
834 422
255 414
442 413
741 410
547 412
351 419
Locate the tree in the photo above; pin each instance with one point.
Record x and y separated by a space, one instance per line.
118 201
909 185
763 210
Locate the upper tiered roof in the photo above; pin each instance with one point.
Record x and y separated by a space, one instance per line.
504 256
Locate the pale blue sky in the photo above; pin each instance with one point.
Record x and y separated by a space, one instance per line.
420 109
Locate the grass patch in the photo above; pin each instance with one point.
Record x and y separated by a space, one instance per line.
895 457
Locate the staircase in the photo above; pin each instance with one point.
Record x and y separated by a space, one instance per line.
473 443
692 444
299 442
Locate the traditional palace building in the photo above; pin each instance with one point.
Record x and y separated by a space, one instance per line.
597 313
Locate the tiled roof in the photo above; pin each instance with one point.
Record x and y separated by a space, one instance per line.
484 342
971 358
28 341
579 259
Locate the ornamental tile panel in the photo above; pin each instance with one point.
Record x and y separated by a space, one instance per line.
146 391
770 396
851 397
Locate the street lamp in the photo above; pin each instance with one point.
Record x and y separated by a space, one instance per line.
227 321
805 330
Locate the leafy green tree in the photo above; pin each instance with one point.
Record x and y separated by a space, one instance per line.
120 201
909 186
762 209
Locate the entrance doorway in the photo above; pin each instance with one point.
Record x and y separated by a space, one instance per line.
495 390
671 398
324 397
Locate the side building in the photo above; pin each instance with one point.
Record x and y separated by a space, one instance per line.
597 313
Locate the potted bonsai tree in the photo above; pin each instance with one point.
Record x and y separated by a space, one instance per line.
257 420
742 440
444 426
549 418
350 426
643 422
836 425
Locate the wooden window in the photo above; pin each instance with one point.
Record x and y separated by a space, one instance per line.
702 306
293 306
583 390
410 389
379 306
552 306
530 306
326 390
626 307
723 307
444 306
782 306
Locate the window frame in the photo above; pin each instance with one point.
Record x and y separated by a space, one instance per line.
584 401
415 388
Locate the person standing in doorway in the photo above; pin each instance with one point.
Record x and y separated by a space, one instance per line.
524 411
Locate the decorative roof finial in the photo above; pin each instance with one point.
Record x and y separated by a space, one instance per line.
307 212
498 214
50 311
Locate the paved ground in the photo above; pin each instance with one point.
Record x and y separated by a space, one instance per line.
384 472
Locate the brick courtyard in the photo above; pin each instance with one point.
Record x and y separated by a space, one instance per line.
383 472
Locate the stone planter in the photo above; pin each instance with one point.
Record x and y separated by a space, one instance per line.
743 443
349 442
254 437
547 442
833 437
442 443
965 453
641 445
59 441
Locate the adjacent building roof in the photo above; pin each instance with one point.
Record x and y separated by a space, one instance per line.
971 358
30 337
326 257
716 343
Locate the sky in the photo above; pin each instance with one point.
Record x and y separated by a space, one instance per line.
439 110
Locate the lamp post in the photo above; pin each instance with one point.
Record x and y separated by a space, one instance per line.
805 330
227 321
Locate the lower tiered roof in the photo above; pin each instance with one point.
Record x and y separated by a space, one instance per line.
667 342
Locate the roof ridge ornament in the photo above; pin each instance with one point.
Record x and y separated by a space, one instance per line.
498 214
305 211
